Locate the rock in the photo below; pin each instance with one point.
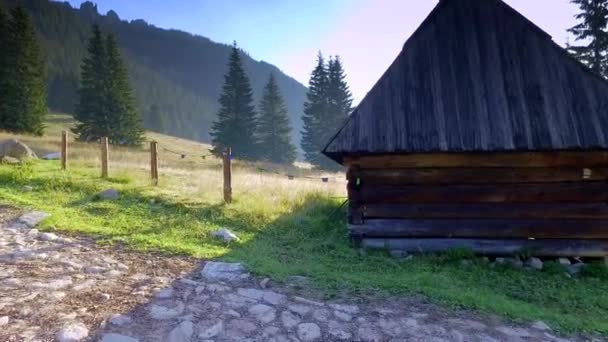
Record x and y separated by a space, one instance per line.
10 160
3 321
297 281
28 188
104 297
109 194
165 293
73 332
95 269
266 296
47 236
215 270
338 332
160 312
351 309
211 331
225 234
534 263
300 309
263 313
564 261
343 316
289 320
320 315
397 254
117 338
52 156
540 325
309 332
181 333
16 149
513 332
514 262
33 218
120 320
264 283
367 333
575 269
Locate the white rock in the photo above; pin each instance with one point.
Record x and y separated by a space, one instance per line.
289 320
181 333
3 320
263 313
120 320
215 270
535 263
104 297
117 338
52 156
47 236
162 312
73 333
343 316
225 234
211 331
564 261
351 309
270 297
309 332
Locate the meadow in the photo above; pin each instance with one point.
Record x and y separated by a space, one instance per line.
286 227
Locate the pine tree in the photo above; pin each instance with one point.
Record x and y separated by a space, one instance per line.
340 101
4 65
25 102
315 109
235 126
91 108
593 31
274 129
125 126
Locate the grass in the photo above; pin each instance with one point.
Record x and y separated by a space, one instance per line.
287 227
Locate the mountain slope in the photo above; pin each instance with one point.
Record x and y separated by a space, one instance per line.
176 74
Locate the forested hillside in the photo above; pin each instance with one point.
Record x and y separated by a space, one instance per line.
177 76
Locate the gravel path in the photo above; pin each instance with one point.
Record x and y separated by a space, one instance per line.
69 289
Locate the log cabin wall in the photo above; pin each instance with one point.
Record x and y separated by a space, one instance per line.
553 203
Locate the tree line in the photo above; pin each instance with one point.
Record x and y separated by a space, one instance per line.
591 32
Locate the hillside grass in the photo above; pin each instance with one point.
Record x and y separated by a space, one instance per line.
287 227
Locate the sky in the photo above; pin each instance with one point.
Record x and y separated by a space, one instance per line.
366 34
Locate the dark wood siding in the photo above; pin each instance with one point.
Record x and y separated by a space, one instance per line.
478 76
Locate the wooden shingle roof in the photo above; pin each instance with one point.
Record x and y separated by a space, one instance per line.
477 76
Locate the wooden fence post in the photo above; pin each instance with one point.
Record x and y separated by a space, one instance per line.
104 157
154 162
227 175
64 150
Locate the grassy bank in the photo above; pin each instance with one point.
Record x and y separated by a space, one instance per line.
293 232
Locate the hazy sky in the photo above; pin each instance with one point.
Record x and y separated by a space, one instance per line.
367 34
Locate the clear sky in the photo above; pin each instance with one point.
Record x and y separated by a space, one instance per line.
367 34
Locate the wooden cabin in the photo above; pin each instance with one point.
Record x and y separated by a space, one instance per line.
482 134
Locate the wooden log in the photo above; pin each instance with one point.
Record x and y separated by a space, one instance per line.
505 159
480 175
64 150
555 248
227 163
154 162
104 157
490 193
482 228
488 210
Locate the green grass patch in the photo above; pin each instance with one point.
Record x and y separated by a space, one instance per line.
299 236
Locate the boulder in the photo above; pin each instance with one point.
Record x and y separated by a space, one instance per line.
534 263
226 235
15 149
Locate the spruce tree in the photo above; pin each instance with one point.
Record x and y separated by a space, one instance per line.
25 103
91 108
125 126
592 30
340 101
236 120
315 109
273 126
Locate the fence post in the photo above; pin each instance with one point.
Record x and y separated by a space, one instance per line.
154 162
104 157
64 150
227 175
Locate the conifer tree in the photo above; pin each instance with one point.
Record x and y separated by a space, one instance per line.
315 109
91 110
123 120
592 30
25 83
236 120
274 130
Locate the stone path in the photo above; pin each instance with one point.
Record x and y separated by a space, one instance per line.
68 289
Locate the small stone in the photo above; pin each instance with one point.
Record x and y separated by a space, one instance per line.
117 338
181 333
534 263
575 269
309 332
266 296
28 188
233 313
47 236
343 316
320 315
263 313
225 234
73 333
189 282
122 267
308 301
160 312
4 320
32 219
109 194
95 269
397 254
104 297
300 309
264 283
351 309
120 320
564 261
367 333
289 320
215 270
540 325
